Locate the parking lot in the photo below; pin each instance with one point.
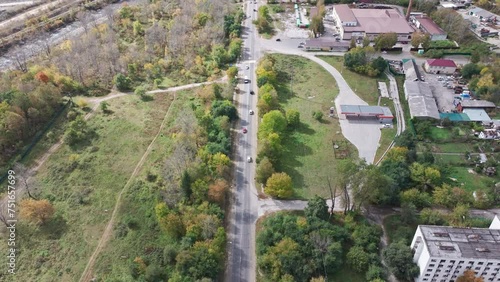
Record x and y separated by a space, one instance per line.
442 92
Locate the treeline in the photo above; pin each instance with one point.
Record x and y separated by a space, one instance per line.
316 245
191 210
27 101
264 22
484 80
186 41
360 60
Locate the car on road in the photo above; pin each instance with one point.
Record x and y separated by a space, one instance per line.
245 130
249 159
246 80
251 112
247 67
302 43
277 39
384 52
300 46
252 92
254 10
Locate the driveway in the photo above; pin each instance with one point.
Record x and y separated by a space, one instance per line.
363 134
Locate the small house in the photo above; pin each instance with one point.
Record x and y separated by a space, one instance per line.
440 66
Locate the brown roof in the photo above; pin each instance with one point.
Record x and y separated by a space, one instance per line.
441 63
344 12
430 26
382 21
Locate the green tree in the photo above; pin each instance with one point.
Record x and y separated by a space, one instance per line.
186 184
408 213
279 185
352 44
272 122
385 40
199 261
431 217
460 216
283 258
375 272
425 175
104 106
470 70
123 83
317 115
77 132
293 117
140 91
224 108
358 259
155 273
355 57
317 208
379 64
399 259
366 41
317 26
264 170
417 198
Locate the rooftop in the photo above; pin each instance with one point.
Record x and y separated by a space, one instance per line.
441 63
452 242
322 42
454 116
430 26
482 13
420 99
477 104
366 110
477 114
344 12
411 70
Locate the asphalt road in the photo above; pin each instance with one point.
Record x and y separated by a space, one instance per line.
244 211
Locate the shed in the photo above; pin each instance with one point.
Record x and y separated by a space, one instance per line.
477 114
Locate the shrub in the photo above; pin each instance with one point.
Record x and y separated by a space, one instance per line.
317 115
122 82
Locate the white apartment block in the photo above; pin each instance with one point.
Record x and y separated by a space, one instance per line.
444 253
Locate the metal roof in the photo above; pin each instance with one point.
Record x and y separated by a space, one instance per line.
429 25
345 13
420 99
477 114
477 104
454 116
365 110
453 242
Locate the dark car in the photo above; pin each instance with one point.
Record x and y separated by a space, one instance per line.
251 92
278 39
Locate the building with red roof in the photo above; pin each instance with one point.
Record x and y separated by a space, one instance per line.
440 66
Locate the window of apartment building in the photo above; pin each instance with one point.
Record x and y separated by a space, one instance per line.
425 279
480 263
440 265
443 280
486 268
429 270
431 265
489 263
427 274
460 262
477 268
452 261
443 260
433 260
438 270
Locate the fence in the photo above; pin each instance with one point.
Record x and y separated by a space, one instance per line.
35 140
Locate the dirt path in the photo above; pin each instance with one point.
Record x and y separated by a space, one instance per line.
89 269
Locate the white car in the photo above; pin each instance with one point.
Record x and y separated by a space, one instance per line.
246 80
249 159
251 112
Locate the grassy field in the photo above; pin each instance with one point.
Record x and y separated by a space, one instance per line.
440 134
365 87
309 156
470 181
84 192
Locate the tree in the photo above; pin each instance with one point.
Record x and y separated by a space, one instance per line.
272 122
199 261
375 272
78 131
217 191
425 175
352 45
397 154
140 91
42 77
123 83
408 213
317 25
264 170
451 196
224 108
358 259
399 259
232 72
283 258
279 185
37 211
470 70
379 64
385 40
430 217
293 117
366 41
469 276
317 208
420 38
460 216
355 57
417 198
155 273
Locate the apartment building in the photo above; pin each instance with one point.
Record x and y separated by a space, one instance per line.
444 253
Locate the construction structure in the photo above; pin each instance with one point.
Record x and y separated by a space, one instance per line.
444 253
301 20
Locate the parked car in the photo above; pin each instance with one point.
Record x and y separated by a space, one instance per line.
249 159
251 112
277 39
252 92
300 46
245 130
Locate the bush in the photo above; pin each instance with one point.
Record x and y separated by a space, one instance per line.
317 115
122 82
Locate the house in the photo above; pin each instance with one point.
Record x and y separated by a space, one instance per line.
477 115
482 14
478 104
444 253
420 100
440 66
322 44
427 25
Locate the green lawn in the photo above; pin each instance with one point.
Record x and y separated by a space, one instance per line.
470 181
440 134
449 159
452 148
309 156
365 87
85 195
